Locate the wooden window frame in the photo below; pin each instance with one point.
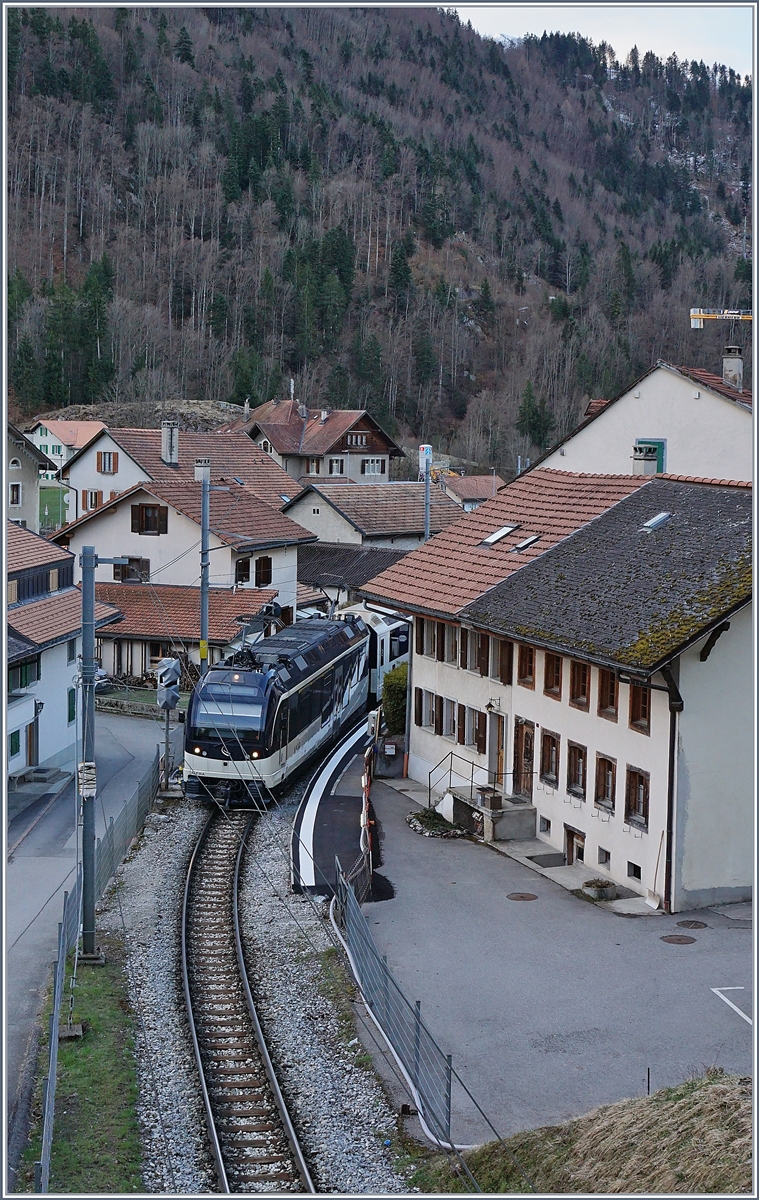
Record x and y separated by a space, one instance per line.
483 654
523 678
546 737
640 708
461 724
429 638
449 718
139 517
242 575
264 570
340 466
107 462
576 754
15 489
602 762
451 644
464 649
552 688
633 777
419 636
506 662
604 676
440 641
577 698
480 731
418 706
437 708
71 650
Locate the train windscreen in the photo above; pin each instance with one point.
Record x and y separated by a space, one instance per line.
227 710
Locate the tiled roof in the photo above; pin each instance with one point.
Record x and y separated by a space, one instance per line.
290 433
310 596
238 517
27 549
452 569
594 407
618 593
170 611
19 647
388 509
233 456
717 384
473 487
331 564
74 434
733 483
56 616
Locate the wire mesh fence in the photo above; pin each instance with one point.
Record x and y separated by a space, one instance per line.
424 1062
109 854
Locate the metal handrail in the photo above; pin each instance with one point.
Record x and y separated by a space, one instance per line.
493 778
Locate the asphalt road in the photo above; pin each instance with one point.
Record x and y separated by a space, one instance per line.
552 1006
40 870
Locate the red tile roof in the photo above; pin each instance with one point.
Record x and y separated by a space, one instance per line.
163 610
56 616
232 456
290 433
454 568
739 483
27 549
74 434
238 517
472 487
717 384
387 509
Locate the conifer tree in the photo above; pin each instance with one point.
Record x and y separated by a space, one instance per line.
534 420
183 47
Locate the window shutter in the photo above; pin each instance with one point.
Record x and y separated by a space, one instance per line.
439 715
117 569
84 500
115 461
506 661
363 466
100 462
135 518
440 642
418 697
144 569
461 725
382 467
419 629
113 495
483 654
100 499
464 649
163 520
482 726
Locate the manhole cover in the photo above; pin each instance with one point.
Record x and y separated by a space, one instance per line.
522 896
678 939
692 925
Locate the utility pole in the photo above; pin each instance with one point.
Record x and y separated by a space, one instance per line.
89 561
203 473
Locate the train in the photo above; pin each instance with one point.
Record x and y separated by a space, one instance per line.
258 716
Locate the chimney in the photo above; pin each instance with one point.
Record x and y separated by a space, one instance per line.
325 414
202 469
170 443
302 411
732 367
292 389
246 409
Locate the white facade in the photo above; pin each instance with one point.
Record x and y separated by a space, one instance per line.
84 476
703 433
713 813
174 557
22 483
337 466
56 735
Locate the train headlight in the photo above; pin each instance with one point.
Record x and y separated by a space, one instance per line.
254 754
197 749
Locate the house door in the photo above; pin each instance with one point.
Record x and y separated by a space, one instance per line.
497 764
575 846
524 753
32 743
284 727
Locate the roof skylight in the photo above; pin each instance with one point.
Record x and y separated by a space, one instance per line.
660 519
492 538
527 542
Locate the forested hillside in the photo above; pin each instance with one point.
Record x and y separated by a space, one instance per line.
379 202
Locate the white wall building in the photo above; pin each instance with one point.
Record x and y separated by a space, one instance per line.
389 515
60 440
24 464
678 420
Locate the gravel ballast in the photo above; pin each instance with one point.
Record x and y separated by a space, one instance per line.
337 1103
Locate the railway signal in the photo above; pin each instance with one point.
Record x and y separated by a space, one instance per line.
168 671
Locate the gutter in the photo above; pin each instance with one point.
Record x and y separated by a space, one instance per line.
675 707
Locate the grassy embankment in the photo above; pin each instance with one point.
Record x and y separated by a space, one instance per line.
96 1137
694 1138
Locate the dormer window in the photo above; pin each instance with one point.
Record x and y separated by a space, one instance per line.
266 446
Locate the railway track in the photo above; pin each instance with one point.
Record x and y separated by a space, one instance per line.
252 1138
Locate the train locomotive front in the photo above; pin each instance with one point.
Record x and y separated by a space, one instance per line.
257 717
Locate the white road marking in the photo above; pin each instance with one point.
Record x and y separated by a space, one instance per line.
719 991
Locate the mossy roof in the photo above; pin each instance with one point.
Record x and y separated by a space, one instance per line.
617 593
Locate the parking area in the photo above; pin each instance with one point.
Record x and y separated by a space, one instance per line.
552 1006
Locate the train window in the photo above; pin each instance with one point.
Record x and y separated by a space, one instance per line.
382 652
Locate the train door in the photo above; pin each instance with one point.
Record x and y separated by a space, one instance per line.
327 702
284 732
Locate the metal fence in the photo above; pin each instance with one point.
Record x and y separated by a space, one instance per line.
109 854
424 1062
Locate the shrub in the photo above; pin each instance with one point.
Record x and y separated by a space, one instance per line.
394 699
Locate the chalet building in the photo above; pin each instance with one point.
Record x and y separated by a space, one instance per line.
115 460
156 526
469 491
44 613
681 420
595 700
25 463
390 514
339 445
61 440
163 620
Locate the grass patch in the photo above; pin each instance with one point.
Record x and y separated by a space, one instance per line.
57 512
96 1134
339 988
695 1138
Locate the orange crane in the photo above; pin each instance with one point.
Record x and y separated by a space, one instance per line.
699 315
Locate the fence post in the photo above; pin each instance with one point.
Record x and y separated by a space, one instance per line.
38 1177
